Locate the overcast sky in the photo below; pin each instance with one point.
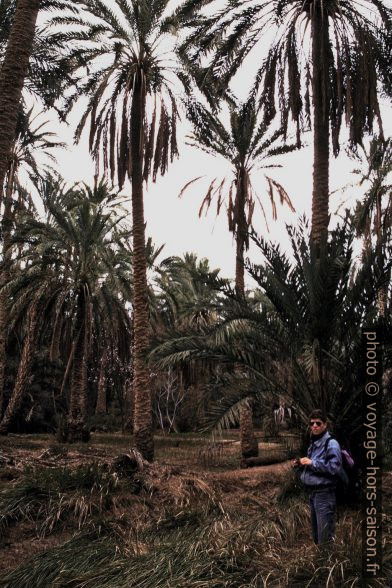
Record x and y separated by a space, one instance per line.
175 222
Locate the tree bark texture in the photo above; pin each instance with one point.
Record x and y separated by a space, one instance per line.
23 374
241 229
141 382
77 417
12 76
6 229
249 445
320 98
101 407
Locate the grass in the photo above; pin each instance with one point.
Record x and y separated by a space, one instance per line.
195 551
182 529
52 496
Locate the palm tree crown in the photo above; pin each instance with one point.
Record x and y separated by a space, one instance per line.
121 47
324 61
248 144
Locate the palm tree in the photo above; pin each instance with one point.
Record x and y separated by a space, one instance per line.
31 140
248 146
78 258
311 315
19 45
120 43
185 299
48 68
12 75
324 60
373 215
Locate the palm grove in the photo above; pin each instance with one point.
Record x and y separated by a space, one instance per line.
80 322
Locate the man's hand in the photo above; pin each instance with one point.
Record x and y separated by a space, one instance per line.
305 461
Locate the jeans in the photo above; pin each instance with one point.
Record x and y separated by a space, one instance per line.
323 514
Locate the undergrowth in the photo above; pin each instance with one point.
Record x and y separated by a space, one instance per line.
195 549
179 531
51 496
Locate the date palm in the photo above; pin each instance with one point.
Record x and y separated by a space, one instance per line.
48 68
373 214
32 140
184 299
12 75
248 145
133 116
17 46
79 258
310 315
323 65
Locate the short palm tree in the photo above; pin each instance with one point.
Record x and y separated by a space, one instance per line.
79 258
323 65
310 316
185 298
32 140
373 214
133 116
247 145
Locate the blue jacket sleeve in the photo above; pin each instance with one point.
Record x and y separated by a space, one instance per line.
331 462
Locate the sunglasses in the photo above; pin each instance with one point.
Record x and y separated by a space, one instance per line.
315 423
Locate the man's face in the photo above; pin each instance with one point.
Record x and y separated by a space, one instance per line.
317 426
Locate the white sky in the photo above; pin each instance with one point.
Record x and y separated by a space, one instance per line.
175 222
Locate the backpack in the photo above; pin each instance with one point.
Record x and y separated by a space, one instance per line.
348 486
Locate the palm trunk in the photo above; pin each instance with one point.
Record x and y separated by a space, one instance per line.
23 371
382 294
141 382
6 226
12 75
77 417
249 445
101 393
320 91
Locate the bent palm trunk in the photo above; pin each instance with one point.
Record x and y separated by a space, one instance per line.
23 372
320 91
141 382
249 445
12 75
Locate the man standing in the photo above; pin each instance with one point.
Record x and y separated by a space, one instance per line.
320 471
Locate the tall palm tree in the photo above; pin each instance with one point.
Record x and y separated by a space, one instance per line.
12 75
32 140
79 259
133 116
323 64
48 68
21 47
247 145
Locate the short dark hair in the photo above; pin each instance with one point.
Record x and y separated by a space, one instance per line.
318 414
